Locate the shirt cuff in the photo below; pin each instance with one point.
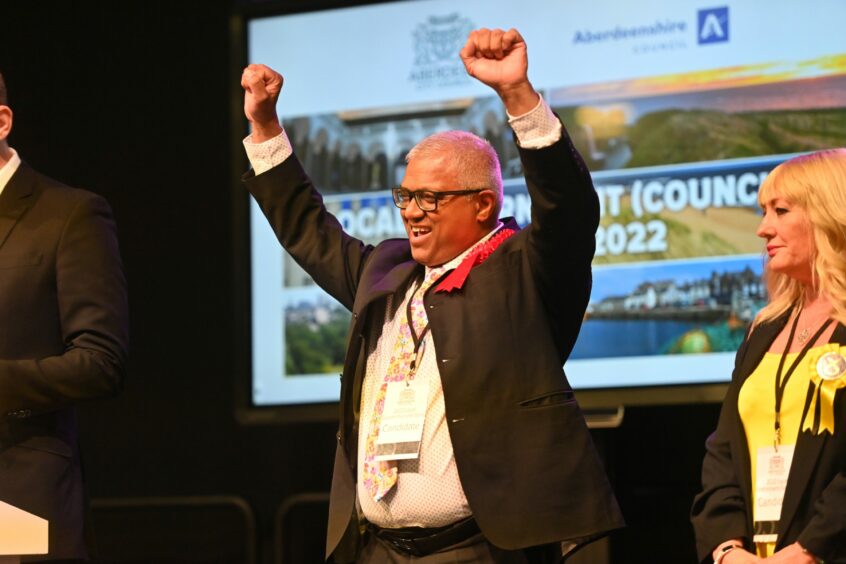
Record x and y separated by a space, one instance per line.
270 153
536 128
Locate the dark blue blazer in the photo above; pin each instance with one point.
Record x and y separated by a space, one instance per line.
63 340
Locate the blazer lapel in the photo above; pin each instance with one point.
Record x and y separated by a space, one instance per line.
388 284
805 456
15 200
808 450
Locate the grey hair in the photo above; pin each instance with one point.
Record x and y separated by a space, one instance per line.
472 158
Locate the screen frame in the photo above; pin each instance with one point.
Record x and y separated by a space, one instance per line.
249 413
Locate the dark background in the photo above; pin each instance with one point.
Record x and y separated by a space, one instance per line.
135 101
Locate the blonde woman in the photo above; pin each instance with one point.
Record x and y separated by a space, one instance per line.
774 474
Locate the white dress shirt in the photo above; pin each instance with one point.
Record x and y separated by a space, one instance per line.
8 169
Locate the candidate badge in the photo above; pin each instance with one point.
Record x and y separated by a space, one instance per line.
831 366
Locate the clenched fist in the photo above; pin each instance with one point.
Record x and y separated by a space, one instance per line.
499 59
262 86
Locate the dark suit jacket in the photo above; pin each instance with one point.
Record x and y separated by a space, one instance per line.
63 339
814 510
524 455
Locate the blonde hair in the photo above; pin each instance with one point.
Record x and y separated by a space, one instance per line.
815 182
473 158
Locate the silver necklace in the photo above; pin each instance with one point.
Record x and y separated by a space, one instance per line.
804 335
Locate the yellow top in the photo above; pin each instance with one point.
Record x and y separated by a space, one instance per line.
756 405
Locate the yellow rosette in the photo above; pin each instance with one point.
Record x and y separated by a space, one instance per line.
827 367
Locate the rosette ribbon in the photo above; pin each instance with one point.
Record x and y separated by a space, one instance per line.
827 367
455 279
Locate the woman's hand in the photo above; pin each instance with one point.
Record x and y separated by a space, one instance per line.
792 554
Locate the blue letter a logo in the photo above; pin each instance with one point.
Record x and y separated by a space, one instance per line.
713 25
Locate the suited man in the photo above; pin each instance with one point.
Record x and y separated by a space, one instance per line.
63 338
459 438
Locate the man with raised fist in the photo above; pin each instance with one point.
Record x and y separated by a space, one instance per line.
460 439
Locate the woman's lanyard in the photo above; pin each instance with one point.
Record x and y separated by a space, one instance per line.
781 384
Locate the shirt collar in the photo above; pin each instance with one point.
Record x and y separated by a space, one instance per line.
457 260
9 169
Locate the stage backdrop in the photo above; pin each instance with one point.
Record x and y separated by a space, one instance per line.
679 108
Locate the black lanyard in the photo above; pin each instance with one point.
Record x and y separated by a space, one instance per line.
418 340
781 384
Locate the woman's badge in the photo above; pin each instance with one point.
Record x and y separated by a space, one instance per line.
828 375
831 366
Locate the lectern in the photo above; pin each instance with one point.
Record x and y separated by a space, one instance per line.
21 533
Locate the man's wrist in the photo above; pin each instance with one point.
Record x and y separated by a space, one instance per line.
519 99
262 132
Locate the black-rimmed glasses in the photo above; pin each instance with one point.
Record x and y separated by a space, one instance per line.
427 200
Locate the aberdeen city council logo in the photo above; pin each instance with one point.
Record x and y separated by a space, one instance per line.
713 25
437 42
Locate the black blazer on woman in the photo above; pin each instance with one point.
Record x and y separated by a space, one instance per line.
814 510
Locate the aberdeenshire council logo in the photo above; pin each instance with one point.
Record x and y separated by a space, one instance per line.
713 25
437 42
649 31
643 38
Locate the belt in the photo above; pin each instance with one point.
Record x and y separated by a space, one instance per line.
419 541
